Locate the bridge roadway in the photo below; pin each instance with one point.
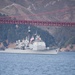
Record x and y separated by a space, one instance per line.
39 23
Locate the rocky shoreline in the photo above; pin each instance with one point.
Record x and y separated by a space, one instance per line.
68 48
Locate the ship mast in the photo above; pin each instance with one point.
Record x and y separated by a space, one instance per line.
29 32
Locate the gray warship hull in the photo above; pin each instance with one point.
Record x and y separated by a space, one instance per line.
27 51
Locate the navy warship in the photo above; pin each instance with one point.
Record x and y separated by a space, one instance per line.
34 45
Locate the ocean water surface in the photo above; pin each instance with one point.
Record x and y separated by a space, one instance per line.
32 64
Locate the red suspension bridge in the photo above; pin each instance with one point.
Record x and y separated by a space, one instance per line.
7 20
38 23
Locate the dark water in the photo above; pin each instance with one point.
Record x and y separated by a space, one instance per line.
28 64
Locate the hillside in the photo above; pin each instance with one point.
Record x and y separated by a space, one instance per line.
46 10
